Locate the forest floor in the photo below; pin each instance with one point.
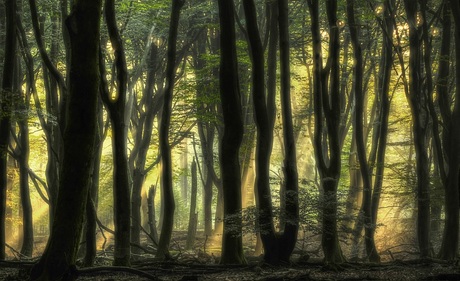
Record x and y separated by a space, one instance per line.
310 270
203 264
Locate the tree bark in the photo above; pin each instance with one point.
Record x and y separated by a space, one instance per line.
232 244
6 103
60 254
418 104
327 101
165 149
358 69
116 108
449 246
192 221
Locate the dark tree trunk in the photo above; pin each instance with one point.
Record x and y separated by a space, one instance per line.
92 203
151 214
23 159
116 108
165 148
327 102
192 222
418 104
60 253
383 96
232 244
365 212
142 139
449 246
6 103
22 149
289 237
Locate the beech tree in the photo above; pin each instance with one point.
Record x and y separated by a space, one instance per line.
232 243
165 148
327 102
60 253
449 247
6 105
418 104
118 117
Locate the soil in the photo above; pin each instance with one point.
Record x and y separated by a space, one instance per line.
146 269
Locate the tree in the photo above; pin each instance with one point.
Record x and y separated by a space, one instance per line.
6 104
364 217
165 148
327 102
60 253
449 246
277 248
118 117
418 104
232 244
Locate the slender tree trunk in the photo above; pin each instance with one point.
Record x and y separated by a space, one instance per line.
142 139
151 214
289 237
192 222
92 203
60 253
116 108
418 106
365 212
449 246
327 102
27 219
6 109
384 89
232 244
165 149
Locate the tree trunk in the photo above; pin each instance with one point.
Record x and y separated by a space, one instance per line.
116 108
165 149
60 254
27 219
142 139
327 102
92 203
384 89
192 222
6 103
151 214
418 106
232 244
449 246
365 212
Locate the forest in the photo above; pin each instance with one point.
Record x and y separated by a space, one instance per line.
229 140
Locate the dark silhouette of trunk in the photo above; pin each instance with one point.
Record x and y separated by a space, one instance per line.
142 137
364 216
418 105
165 148
193 216
151 214
60 254
92 201
327 102
116 109
6 103
384 99
232 244
449 246
23 160
289 237
21 153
